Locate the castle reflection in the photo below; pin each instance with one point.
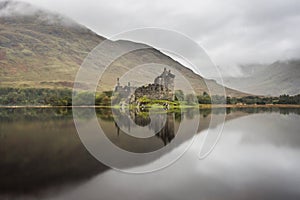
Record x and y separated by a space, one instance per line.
160 125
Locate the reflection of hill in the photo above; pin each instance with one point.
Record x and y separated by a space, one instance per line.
39 153
40 148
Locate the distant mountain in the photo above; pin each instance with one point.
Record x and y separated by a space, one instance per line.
40 49
281 77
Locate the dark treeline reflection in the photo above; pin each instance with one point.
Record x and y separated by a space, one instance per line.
252 110
40 148
11 114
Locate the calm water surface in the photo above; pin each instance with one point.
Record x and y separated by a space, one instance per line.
257 157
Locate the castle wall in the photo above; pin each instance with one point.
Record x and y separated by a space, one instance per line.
161 89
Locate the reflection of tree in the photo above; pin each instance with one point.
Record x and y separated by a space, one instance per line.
178 116
141 119
190 113
251 110
205 112
127 119
42 114
105 114
40 148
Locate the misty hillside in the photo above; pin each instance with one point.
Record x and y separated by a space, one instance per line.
40 49
281 77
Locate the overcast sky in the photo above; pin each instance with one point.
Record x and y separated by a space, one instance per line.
233 32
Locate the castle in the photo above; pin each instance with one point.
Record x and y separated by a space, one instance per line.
124 91
161 89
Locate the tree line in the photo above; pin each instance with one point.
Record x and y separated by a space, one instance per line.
205 98
63 97
35 96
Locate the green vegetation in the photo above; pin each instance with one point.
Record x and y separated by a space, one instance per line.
63 97
50 97
35 96
286 99
250 100
37 54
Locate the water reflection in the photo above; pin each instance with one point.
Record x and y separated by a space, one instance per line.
40 148
40 151
162 125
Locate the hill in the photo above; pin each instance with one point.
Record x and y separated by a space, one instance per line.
39 49
281 77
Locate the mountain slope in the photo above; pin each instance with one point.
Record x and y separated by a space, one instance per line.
45 50
39 46
274 79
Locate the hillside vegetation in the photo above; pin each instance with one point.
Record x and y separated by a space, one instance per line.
39 49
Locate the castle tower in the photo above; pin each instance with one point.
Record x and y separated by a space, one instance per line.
128 88
117 88
118 81
170 81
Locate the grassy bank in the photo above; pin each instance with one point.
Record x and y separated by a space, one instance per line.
201 106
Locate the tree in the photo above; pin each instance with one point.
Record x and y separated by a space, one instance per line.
179 96
190 99
205 99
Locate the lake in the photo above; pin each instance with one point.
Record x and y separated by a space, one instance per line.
257 155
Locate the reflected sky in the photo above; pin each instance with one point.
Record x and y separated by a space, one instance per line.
257 157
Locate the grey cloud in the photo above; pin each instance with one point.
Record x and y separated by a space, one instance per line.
12 8
233 32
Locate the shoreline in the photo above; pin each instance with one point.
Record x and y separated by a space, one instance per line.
201 106
250 106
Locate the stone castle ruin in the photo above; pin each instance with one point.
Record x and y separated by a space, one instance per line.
161 89
124 91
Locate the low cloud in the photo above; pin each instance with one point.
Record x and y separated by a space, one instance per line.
11 8
233 32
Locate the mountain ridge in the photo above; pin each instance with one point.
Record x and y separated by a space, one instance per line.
277 78
38 52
